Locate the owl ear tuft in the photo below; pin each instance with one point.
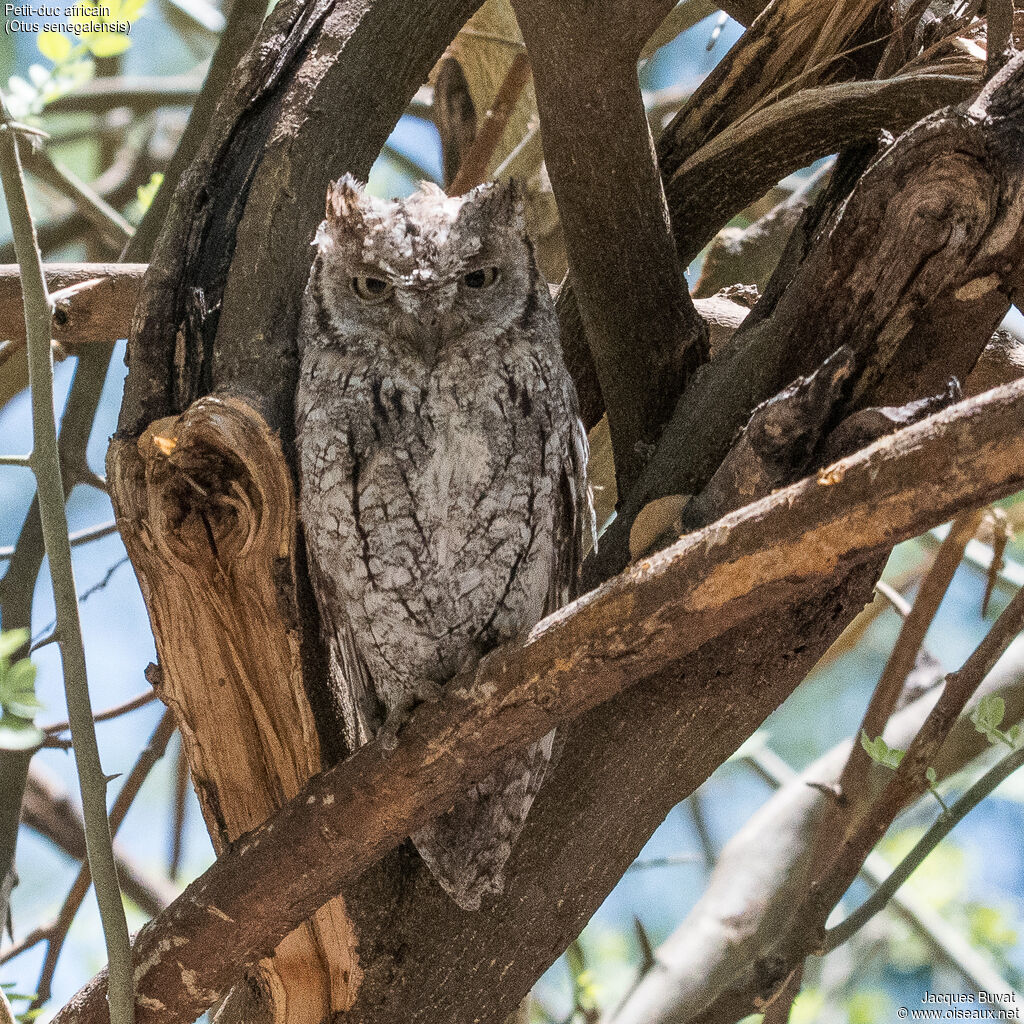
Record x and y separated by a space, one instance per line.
503 202
344 200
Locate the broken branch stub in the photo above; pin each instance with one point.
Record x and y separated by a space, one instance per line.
206 507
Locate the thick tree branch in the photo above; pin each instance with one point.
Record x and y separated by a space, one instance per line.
634 629
741 162
642 329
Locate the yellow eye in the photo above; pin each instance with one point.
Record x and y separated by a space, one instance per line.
482 278
371 289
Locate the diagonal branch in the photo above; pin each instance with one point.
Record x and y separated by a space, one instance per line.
635 628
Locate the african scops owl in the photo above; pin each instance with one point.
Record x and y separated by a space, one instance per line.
442 462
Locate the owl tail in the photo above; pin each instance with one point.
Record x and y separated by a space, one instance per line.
467 848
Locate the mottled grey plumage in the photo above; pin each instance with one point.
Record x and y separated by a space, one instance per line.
443 468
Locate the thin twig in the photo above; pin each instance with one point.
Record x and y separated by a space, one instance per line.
948 944
50 810
181 774
902 606
909 780
700 826
943 826
48 634
671 861
53 518
30 941
473 169
979 555
141 93
116 711
409 167
83 536
16 460
99 212
904 653
149 756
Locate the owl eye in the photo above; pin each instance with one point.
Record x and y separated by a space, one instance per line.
482 278
371 289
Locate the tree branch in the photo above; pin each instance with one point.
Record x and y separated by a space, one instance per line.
945 824
804 934
643 331
93 302
141 93
635 628
49 810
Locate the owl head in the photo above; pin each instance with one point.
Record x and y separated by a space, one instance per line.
426 275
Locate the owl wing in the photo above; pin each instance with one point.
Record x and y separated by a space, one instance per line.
351 684
575 528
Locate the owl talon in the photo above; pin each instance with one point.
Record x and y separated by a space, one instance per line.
388 735
398 717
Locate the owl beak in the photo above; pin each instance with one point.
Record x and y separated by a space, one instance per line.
427 313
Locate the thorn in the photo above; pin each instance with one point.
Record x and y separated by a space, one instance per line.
647 957
829 789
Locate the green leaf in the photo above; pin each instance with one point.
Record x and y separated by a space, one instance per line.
931 776
54 46
17 684
146 193
990 928
106 44
11 642
17 734
880 752
576 959
807 1007
990 711
869 1006
988 715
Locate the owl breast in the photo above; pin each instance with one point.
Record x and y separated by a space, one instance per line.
440 494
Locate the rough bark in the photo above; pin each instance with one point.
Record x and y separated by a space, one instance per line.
740 133
207 512
316 97
644 633
768 863
641 327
